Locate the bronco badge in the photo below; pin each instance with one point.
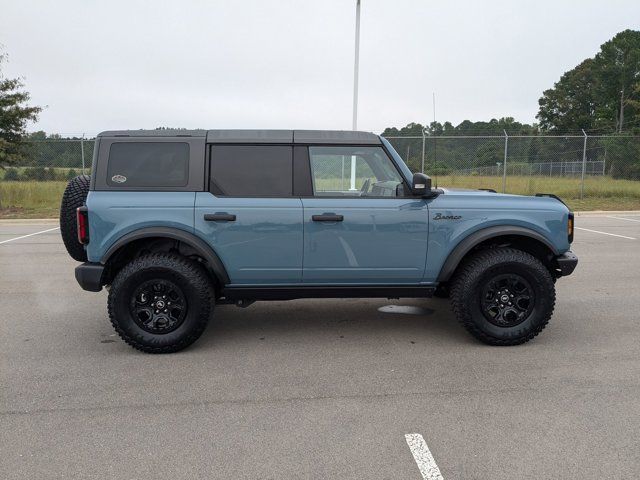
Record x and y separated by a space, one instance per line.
439 216
119 179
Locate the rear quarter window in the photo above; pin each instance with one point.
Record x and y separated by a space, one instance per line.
148 164
251 170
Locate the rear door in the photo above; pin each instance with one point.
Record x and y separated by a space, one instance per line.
359 227
249 215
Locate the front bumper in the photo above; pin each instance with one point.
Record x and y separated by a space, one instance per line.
89 276
567 263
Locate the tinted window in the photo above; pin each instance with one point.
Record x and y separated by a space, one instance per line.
375 174
148 164
251 170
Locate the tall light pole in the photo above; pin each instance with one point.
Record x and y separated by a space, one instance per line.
354 124
355 68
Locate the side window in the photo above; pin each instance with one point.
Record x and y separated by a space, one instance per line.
333 175
148 164
251 170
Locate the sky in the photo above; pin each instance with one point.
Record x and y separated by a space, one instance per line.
100 65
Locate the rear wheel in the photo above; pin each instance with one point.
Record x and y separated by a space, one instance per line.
503 296
160 303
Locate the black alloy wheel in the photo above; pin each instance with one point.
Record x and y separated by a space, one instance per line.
507 300
158 306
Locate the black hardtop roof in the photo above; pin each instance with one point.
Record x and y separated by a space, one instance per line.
258 136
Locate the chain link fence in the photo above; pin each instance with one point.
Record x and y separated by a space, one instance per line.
51 160
573 166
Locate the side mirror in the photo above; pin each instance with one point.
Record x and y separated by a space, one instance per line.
421 184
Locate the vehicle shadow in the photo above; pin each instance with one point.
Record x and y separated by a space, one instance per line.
313 320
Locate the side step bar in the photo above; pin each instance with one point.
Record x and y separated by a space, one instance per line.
290 293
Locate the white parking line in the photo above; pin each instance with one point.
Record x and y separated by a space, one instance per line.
422 456
604 233
627 219
30 235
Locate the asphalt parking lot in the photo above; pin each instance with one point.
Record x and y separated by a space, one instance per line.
321 388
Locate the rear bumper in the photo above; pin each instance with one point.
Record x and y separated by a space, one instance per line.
89 276
567 263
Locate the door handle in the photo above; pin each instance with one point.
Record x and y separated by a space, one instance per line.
219 217
327 218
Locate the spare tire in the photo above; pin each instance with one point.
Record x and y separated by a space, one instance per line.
75 195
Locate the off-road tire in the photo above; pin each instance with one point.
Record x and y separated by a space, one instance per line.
477 271
185 273
75 195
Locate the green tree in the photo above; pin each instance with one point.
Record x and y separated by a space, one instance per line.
571 104
601 93
623 157
619 70
15 113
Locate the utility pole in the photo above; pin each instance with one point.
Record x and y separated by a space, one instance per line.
352 185
82 152
424 137
355 68
584 164
434 106
504 171
433 95
621 110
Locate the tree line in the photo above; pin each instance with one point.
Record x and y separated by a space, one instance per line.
600 96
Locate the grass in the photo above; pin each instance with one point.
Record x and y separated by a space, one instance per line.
42 199
600 193
30 199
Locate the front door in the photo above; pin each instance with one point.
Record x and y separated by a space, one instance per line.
359 227
250 217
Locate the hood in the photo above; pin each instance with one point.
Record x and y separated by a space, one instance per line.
493 199
469 191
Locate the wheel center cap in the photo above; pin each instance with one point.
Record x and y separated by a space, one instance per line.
504 298
160 304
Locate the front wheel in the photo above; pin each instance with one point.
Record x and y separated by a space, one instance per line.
503 296
160 303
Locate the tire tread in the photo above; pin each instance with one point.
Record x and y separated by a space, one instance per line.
75 195
471 269
186 267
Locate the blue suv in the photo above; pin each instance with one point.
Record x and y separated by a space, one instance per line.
175 221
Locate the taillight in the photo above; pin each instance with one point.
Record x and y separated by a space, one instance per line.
570 227
82 217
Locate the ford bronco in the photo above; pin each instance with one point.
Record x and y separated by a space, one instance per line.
175 221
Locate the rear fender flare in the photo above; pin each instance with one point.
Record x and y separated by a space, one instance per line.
199 245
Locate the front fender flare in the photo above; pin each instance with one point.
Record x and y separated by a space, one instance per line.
465 246
199 245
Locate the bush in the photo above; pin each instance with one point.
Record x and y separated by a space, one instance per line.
71 173
41 174
33 173
49 174
11 175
